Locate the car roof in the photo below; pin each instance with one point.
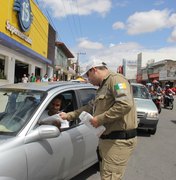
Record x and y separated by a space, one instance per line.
137 84
45 86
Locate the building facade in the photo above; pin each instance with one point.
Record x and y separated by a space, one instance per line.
164 71
62 64
24 41
130 69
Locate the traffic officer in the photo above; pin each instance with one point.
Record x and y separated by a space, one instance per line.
114 108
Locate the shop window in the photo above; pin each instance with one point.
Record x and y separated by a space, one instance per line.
2 68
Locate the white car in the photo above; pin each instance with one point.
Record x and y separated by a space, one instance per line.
32 152
147 111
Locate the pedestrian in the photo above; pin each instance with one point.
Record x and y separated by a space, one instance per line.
32 78
55 77
25 79
114 108
45 78
38 79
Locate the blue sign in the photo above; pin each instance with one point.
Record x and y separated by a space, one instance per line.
25 17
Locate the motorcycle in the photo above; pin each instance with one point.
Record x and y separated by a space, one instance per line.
157 100
168 101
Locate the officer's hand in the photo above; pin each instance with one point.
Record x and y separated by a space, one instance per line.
63 115
94 122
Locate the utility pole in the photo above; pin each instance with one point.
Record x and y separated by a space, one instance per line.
77 62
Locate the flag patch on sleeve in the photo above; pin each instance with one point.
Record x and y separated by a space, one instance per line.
120 86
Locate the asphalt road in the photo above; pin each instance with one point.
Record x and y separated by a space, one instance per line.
155 155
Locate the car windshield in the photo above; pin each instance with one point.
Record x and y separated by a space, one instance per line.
17 107
140 92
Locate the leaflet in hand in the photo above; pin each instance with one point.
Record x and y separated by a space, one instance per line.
56 117
85 118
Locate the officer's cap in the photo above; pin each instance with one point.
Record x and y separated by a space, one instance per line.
92 64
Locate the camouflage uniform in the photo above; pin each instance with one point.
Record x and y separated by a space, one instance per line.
115 109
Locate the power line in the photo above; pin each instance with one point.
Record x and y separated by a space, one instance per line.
79 19
68 20
49 19
73 17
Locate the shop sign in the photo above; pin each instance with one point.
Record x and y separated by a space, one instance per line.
131 63
23 9
15 31
155 75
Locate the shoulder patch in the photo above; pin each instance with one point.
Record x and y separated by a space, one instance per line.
120 86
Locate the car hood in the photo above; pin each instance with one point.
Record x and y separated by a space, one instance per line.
4 138
145 105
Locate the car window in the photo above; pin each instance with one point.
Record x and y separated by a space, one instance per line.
69 104
140 92
86 95
17 107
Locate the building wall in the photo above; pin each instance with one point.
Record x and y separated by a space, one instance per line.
130 69
51 43
11 57
168 72
35 41
38 32
61 64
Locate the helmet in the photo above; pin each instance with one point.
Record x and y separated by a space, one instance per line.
155 81
167 85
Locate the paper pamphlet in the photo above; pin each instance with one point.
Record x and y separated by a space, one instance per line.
85 118
64 123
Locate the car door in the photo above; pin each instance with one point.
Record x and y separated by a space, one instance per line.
91 140
57 158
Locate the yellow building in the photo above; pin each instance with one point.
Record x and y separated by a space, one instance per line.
24 49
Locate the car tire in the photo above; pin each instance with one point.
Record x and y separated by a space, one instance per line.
152 131
171 105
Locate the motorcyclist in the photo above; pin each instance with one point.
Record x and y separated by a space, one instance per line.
156 87
167 93
168 90
156 94
156 90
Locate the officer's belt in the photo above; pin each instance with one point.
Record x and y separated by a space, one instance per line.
128 134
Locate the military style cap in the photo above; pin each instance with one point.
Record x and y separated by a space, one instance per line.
92 64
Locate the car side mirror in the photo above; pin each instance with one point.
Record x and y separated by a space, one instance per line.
42 132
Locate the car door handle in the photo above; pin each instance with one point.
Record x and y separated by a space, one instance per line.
79 138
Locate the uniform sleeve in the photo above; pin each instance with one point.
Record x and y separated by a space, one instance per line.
123 101
75 114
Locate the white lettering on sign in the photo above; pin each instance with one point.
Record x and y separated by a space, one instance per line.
15 31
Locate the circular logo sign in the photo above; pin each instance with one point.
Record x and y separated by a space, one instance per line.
24 13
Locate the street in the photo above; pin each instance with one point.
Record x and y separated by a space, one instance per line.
154 157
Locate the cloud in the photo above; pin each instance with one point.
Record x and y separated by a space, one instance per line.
87 44
63 8
147 22
113 55
143 22
122 4
172 37
159 2
118 25
172 20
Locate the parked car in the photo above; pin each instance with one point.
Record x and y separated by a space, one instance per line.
147 111
32 152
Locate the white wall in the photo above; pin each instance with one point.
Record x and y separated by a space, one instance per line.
11 57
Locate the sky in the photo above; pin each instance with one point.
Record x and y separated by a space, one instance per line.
112 30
